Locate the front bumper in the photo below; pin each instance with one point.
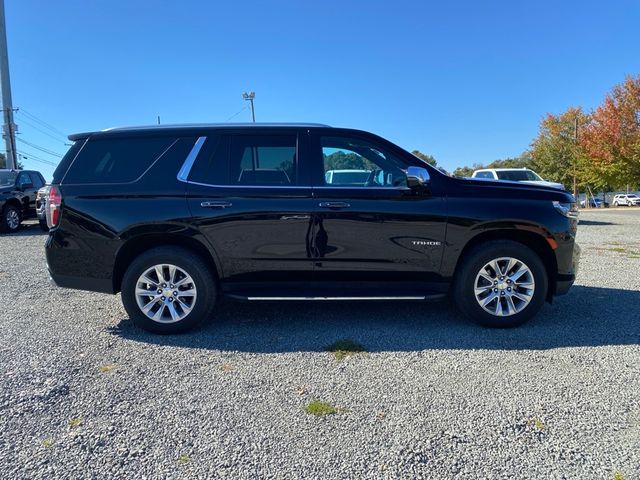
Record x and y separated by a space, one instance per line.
565 281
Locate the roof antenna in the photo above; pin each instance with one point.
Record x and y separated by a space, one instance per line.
158 119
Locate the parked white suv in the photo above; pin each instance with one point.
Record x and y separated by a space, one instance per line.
524 175
627 199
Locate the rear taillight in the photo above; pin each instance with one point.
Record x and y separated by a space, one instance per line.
53 207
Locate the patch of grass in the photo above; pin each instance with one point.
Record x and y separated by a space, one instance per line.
76 422
320 409
630 252
107 368
346 348
536 423
184 458
617 475
47 442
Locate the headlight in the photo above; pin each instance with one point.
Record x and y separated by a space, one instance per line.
567 209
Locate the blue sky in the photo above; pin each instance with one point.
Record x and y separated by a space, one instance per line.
465 81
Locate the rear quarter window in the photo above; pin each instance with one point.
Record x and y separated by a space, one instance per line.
116 160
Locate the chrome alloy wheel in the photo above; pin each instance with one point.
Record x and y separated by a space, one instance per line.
13 219
165 293
504 286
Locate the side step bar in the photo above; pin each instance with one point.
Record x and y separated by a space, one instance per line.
303 299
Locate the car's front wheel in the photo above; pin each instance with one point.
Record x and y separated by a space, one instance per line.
10 221
501 284
168 290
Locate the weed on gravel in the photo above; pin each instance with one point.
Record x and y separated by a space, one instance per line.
320 409
343 349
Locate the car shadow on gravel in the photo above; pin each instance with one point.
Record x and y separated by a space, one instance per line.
587 316
29 230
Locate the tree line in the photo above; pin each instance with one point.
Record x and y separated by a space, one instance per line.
601 147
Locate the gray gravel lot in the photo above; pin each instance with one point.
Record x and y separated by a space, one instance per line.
84 394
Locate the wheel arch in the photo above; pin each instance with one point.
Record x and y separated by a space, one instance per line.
535 241
140 244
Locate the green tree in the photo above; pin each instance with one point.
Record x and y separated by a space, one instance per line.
554 153
423 156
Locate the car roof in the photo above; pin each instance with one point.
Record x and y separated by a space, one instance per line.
501 169
190 128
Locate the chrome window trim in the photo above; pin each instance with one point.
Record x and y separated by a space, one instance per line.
183 174
191 182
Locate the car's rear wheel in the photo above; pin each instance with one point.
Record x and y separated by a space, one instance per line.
168 290
10 221
501 284
43 225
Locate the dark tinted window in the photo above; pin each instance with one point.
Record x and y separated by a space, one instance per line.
262 160
36 180
23 179
116 160
517 175
484 175
63 166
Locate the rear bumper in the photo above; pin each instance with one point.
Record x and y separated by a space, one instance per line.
81 283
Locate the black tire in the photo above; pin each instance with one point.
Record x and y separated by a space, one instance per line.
194 266
475 260
6 225
43 225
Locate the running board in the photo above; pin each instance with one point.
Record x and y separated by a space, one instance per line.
304 299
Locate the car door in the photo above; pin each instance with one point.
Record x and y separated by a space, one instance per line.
251 197
370 229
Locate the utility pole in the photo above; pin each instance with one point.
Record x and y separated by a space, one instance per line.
8 128
250 96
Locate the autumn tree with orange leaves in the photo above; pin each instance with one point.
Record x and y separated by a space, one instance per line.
611 139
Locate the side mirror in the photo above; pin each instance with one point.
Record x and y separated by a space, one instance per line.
417 177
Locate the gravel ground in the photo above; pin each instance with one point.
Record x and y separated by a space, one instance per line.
84 394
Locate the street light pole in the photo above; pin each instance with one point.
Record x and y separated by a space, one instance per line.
250 96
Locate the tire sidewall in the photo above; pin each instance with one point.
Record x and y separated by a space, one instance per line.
465 295
194 266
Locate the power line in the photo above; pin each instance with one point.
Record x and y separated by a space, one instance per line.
37 147
237 113
28 156
57 139
41 122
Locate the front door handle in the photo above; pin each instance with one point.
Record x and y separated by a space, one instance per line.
216 204
334 205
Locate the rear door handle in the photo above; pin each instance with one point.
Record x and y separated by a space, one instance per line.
334 205
216 204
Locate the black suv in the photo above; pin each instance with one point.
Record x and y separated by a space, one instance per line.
173 216
18 190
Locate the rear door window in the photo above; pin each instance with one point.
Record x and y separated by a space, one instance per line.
247 160
116 160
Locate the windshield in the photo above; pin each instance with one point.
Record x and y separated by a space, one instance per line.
7 178
518 175
632 196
